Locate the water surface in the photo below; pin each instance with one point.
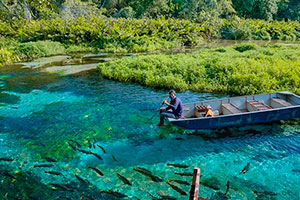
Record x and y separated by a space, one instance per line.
40 112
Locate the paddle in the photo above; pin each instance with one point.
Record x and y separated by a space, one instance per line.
155 111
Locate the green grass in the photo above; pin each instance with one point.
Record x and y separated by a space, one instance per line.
240 69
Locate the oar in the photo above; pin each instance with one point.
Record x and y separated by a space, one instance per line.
155 111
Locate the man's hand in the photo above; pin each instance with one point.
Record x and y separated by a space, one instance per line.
165 102
157 110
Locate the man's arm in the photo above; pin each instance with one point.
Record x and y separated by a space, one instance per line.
171 106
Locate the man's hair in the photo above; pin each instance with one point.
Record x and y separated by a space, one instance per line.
172 91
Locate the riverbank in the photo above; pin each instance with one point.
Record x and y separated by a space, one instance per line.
26 40
239 69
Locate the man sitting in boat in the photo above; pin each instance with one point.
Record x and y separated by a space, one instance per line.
174 109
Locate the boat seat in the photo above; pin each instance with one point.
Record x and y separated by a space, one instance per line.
228 109
279 103
255 105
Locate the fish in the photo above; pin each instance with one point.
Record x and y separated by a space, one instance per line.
178 165
7 159
54 173
184 174
265 193
51 159
90 144
245 169
143 169
179 182
72 146
96 170
150 176
158 196
78 145
61 197
209 185
123 179
98 156
116 194
14 107
177 189
62 187
94 142
114 158
84 151
227 188
5 173
101 148
296 170
81 179
43 165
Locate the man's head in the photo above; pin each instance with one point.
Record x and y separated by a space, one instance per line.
172 94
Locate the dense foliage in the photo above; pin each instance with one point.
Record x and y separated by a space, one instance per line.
240 69
197 10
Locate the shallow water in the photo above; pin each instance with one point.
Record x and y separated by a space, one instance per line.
41 112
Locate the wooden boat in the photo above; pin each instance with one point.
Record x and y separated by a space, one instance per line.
241 111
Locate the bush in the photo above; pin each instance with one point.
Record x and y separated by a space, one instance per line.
263 69
39 49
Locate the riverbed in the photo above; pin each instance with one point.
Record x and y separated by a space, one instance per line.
47 105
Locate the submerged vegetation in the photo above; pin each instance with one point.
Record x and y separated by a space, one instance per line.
240 69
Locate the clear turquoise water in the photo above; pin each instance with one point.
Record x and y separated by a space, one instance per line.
40 112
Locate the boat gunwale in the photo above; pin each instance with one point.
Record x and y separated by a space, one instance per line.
235 114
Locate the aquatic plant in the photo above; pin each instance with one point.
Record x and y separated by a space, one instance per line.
234 70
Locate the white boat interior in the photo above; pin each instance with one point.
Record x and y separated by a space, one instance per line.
242 104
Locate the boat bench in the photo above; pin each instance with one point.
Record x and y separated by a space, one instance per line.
228 109
279 103
256 105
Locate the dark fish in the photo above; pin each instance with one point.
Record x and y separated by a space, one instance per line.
177 189
296 170
209 185
150 176
51 159
116 194
161 197
265 193
96 170
72 146
123 179
81 179
166 197
184 174
178 138
179 182
66 198
94 142
114 158
14 107
53 173
178 165
78 145
43 165
101 148
5 173
227 188
84 151
143 169
246 168
90 144
7 159
98 156
62 187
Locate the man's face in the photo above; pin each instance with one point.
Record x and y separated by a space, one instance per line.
172 95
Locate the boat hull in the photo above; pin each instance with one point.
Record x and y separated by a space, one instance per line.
238 119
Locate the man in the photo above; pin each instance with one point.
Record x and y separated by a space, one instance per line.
174 109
